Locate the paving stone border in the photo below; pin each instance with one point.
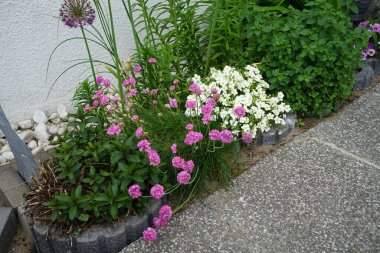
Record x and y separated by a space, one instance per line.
108 238
8 226
365 77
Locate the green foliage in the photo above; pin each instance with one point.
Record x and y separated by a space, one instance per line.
97 169
309 55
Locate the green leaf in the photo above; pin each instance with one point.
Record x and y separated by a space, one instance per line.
101 198
138 178
134 158
78 191
54 215
113 211
73 212
115 157
84 217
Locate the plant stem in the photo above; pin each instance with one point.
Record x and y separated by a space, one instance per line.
211 38
89 55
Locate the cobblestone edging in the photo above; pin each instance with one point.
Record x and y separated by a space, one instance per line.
107 238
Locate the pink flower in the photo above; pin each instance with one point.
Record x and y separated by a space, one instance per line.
150 234
239 112
178 162
145 91
114 130
134 191
154 102
87 108
189 127
247 138
174 148
214 135
173 103
226 136
143 145
95 103
104 100
125 83
135 118
132 81
198 91
154 92
211 102
133 92
172 88
152 60
137 69
160 223
175 81
121 123
193 87
371 52
206 118
216 96
206 109
189 166
183 177
157 191
154 158
139 132
107 83
214 90
193 137
111 108
99 79
191 104
165 212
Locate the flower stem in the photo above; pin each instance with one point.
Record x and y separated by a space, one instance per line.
89 54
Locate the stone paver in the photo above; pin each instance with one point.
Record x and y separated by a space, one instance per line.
318 193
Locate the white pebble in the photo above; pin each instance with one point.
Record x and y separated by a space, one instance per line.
53 116
32 144
14 127
2 159
8 155
53 129
61 131
36 150
26 135
56 121
55 139
62 112
26 124
43 144
3 141
5 149
49 147
40 133
39 117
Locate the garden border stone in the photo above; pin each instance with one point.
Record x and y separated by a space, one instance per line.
365 77
8 226
107 238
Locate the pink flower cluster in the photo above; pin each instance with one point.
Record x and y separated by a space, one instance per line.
193 137
195 89
157 191
224 136
164 215
134 191
187 166
144 146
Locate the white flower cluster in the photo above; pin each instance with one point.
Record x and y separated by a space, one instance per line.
244 91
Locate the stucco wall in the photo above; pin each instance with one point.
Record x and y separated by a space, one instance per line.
29 31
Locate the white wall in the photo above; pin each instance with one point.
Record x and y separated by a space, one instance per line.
29 31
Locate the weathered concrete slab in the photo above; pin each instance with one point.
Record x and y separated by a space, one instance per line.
305 197
357 130
8 226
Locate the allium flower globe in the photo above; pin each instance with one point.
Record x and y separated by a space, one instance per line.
150 234
77 13
157 191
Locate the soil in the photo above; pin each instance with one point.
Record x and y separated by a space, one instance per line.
21 242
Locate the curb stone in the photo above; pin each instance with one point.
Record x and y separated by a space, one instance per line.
108 238
8 226
364 78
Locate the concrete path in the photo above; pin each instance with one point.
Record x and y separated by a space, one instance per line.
318 193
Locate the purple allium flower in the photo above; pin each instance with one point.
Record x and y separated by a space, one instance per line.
113 130
157 191
178 162
137 69
152 60
143 145
173 103
165 212
95 103
175 81
239 112
193 137
77 13
99 79
191 104
247 138
189 166
214 135
206 118
87 108
154 158
363 24
134 191
183 177
160 223
189 127
226 136
139 132
150 234
172 88
174 148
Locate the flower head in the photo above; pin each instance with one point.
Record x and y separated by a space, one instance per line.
107 83
247 138
175 81
174 148
139 132
214 135
191 104
165 212
137 69
160 223
135 118
226 136
189 166
189 127
154 158
193 137
157 191
87 108
183 177
171 87
150 234
206 118
114 130
152 60
99 79
173 103
363 24
77 13
178 162
134 191
239 112
143 145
